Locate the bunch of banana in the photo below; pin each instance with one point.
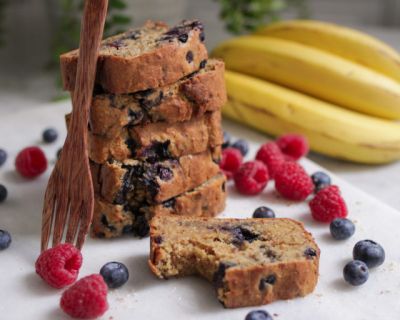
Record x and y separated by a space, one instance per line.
344 42
309 75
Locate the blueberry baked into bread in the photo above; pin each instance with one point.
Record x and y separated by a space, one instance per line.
129 218
249 261
200 92
149 57
160 140
142 181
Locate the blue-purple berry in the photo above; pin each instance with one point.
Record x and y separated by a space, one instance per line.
263 212
3 156
356 273
115 274
242 146
226 140
320 180
3 193
341 228
258 315
50 135
5 239
369 252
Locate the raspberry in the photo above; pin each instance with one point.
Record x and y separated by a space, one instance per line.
230 161
86 299
294 146
31 162
59 266
328 205
293 182
251 178
270 154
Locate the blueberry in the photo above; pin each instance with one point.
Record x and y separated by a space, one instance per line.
50 135
369 252
265 282
219 274
203 64
165 173
183 37
202 36
3 157
320 180
3 193
242 146
263 212
258 315
356 272
5 239
189 57
310 253
227 140
115 274
342 229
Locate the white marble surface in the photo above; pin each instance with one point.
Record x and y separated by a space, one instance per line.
191 298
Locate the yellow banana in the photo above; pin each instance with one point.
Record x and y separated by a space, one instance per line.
344 42
331 130
315 72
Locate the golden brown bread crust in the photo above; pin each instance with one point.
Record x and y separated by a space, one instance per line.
111 220
259 282
294 279
160 140
164 64
191 97
153 182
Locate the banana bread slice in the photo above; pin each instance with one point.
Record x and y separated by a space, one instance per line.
149 57
159 141
249 261
140 181
190 97
111 220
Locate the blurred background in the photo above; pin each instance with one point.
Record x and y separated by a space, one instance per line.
33 33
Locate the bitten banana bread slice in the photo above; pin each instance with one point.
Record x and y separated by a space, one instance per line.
159 141
190 97
249 261
138 181
149 57
110 220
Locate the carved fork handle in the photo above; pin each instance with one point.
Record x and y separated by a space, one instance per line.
92 27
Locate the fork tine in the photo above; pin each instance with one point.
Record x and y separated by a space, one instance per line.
62 213
73 222
47 215
87 215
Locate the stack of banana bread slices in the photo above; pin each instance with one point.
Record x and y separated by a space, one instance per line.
155 127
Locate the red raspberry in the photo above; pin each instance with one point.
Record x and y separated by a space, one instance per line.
31 162
86 299
251 178
294 146
230 161
59 266
293 182
270 154
328 205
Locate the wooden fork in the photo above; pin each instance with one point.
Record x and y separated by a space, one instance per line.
68 201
